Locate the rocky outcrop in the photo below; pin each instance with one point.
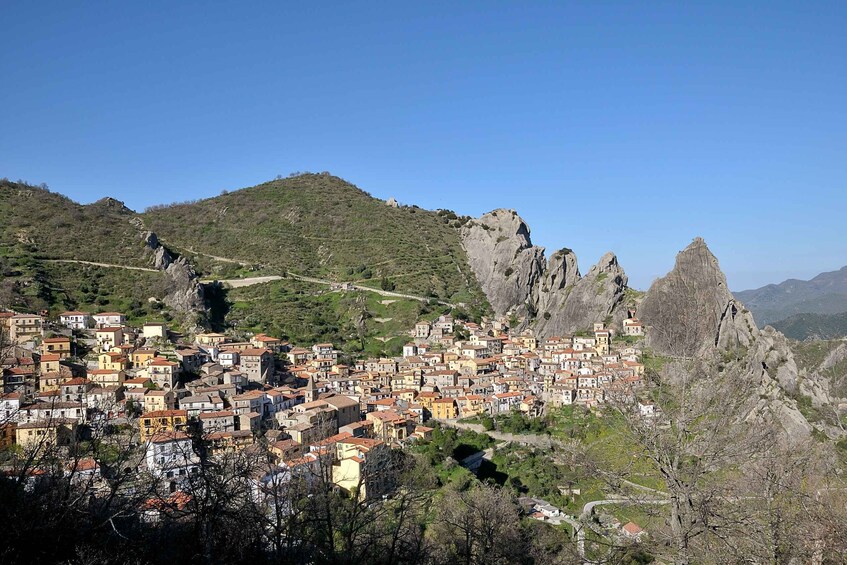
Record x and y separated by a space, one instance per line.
550 294
576 303
506 264
691 312
184 291
772 352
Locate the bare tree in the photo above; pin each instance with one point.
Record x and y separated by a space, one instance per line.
478 525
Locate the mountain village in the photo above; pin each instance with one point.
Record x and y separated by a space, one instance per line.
67 378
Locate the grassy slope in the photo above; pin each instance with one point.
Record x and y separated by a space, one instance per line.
312 224
307 313
47 225
38 225
323 226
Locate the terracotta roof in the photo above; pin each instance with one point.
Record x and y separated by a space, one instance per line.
168 436
165 414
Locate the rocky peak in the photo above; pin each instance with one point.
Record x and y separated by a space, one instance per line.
690 311
502 257
595 297
112 204
517 278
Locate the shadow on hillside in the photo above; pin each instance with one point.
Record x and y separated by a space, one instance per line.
215 296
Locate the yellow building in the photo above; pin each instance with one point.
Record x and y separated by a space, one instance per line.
60 346
140 357
44 434
48 382
604 341
444 408
357 467
471 405
426 399
50 363
389 425
112 361
162 421
108 338
210 339
159 401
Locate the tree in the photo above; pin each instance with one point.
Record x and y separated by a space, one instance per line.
695 446
476 526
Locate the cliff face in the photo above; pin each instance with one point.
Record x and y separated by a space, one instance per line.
501 255
516 278
691 311
596 297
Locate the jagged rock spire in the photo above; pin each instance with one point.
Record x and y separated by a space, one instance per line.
690 311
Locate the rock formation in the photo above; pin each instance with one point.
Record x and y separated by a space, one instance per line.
691 311
184 291
501 255
551 294
576 303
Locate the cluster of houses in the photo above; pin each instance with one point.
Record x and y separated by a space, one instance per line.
64 377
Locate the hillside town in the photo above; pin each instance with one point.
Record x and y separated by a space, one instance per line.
67 378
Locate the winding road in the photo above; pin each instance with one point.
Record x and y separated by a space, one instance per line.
250 281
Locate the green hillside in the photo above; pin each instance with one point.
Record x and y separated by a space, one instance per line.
47 225
813 326
364 322
315 225
39 227
321 225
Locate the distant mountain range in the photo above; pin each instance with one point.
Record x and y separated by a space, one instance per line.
790 304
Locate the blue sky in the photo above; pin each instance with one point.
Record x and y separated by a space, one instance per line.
630 127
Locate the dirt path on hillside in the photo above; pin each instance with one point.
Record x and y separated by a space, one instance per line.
108 265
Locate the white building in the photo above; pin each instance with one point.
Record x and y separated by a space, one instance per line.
170 455
75 320
106 319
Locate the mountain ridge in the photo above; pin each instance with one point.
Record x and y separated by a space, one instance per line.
825 293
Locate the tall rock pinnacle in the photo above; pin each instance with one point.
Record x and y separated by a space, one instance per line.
690 311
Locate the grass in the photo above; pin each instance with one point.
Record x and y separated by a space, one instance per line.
365 323
321 225
309 224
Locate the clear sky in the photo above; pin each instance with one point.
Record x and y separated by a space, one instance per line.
630 126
